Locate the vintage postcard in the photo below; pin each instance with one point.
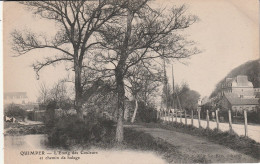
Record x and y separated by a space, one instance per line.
131 81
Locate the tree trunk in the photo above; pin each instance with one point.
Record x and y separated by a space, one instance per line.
119 74
120 106
126 113
136 107
78 90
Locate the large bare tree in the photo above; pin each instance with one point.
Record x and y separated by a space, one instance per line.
139 35
78 22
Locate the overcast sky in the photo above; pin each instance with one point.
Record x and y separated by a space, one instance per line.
227 33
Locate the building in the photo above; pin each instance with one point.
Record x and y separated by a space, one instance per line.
238 94
240 86
15 97
237 104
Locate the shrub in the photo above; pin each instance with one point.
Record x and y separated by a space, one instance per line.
254 116
68 130
146 113
50 114
15 111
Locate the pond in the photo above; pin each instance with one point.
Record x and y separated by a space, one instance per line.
32 149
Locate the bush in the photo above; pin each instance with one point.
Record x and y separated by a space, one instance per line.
254 117
15 111
146 113
50 114
68 130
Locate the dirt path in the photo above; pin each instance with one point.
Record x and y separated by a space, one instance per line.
196 147
253 130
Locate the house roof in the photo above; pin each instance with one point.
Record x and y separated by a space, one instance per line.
242 80
228 80
235 100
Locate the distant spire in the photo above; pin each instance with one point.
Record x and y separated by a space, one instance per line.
165 83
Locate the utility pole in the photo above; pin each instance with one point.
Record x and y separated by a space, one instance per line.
176 96
172 87
166 88
173 94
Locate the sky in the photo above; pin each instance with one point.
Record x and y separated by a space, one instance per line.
227 34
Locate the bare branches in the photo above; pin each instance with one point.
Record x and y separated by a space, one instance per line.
30 41
154 34
122 37
142 81
48 61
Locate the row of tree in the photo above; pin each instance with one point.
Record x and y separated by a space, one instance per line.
181 98
107 42
59 93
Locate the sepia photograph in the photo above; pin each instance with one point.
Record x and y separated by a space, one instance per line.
130 81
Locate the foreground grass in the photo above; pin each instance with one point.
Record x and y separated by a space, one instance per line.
233 141
138 140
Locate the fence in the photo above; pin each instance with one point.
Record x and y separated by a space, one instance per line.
216 120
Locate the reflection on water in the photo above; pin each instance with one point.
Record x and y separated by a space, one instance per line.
26 142
14 145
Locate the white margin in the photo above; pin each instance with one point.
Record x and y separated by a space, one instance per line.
1 86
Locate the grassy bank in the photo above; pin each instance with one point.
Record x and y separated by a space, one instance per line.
138 140
19 129
233 141
99 133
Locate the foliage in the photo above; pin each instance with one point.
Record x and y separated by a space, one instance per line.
146 113
254 116
187 98
142 82
50 114
100 97
15 111
58 93
251 69
69 130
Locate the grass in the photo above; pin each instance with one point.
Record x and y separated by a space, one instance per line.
138 140
231 140
18 129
